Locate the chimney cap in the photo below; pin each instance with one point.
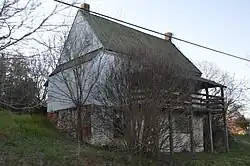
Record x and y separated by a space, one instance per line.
168 36
85 6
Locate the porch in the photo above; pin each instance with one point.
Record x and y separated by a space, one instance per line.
209 101
205 102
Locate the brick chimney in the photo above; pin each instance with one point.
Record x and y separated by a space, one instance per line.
168 36
85 6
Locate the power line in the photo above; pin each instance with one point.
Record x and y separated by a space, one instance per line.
159 33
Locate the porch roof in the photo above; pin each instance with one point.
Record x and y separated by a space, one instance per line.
207 83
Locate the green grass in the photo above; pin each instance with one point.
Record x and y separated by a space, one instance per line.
24 138
239 155
32 140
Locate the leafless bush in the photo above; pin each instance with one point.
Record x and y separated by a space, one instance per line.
137 93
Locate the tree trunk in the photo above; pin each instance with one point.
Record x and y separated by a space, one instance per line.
79 124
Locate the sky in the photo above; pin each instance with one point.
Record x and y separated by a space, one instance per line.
222 25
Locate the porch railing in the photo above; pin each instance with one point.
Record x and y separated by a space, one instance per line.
197 100
211 102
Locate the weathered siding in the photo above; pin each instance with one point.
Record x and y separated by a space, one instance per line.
60 95
81 40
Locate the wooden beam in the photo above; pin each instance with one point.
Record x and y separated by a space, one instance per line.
210 132
192 131
209 123
207 95
225 121
225 132
170 125
201 94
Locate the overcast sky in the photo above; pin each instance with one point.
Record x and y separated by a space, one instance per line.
222 25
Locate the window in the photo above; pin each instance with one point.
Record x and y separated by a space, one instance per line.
182 124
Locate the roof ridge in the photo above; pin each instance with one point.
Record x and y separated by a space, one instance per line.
113 21
118 37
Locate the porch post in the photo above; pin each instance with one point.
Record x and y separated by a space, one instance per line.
224 121
210 132
170 125
210 123
192 131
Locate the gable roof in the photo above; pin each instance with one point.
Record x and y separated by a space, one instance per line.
120 38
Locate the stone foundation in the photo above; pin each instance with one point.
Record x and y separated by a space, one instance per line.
66 122
93 130
101 133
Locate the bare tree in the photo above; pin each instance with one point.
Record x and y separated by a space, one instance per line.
19 19
24 23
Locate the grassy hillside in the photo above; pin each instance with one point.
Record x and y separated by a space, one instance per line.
31 140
